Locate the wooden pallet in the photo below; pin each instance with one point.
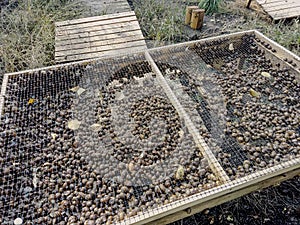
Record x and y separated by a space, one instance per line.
281 9
99 36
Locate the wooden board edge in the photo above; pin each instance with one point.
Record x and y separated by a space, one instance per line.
4 85
96 24
225 198
231 187
97 38
200 143
282 50
90 57
191 43
277 8
265 2
282 16
100 43
97 28
94 18
2 93
131 27
87 50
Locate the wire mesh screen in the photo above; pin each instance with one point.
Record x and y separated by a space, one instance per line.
247 100
93 143
102 141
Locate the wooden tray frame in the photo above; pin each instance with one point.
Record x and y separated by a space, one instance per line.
228 190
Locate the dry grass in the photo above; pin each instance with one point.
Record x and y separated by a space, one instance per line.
27 32
160 20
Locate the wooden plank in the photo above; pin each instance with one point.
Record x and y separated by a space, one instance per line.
282 7
95 18
4 85
285 13
101 48
97 23
125 34
116 30
2 92
94 44
266 2
285 16
200 143
281 3
132 23
113 52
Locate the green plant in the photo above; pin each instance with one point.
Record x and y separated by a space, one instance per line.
210 6
160 21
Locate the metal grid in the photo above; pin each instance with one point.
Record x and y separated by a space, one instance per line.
133 138
94 142
248 101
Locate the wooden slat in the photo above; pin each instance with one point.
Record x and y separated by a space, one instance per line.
283 7
122 28
199 141
281 3
95 18
265 2
132 23
95 44
88 37
286 13
81 40
280 9
101 48
108 53
97 23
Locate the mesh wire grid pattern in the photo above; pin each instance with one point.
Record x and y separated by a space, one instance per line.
100 142
93 143
247 100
